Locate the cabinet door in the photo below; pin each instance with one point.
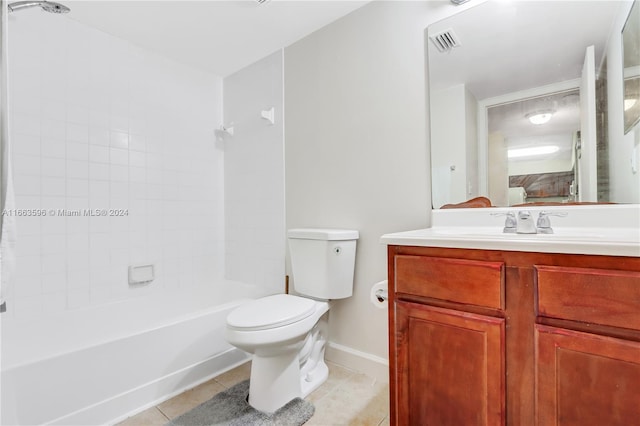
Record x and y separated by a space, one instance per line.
450 367
586 379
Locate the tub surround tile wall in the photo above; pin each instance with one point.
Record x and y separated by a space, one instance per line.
97 123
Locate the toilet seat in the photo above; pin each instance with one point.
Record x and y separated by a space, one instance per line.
270 312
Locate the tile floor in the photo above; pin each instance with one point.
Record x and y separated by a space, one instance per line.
346 398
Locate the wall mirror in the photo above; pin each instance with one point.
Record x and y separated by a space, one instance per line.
519 100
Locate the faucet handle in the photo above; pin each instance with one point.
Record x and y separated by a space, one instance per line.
510 222
544 223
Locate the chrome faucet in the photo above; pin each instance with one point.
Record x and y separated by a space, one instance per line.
521 222
510 223
544 223
525 223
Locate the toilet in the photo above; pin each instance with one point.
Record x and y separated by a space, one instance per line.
286 334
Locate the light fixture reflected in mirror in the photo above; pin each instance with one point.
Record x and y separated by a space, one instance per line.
532 151
540 117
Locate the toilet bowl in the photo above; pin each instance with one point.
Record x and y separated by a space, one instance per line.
287 334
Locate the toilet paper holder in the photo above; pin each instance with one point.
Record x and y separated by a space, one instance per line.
379 295
382 295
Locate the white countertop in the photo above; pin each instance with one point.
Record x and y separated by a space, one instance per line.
620 235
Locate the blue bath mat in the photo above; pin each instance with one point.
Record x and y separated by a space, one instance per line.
230 408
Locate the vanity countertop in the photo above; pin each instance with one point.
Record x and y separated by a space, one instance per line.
617 232
599 241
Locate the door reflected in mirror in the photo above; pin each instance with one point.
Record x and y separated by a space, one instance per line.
524 108
536 139
631 58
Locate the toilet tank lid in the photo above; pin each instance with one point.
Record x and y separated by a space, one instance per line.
323 234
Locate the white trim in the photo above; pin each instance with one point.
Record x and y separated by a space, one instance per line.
362 362
483 124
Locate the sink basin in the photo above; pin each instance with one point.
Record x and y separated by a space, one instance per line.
599 230
573 234
599 241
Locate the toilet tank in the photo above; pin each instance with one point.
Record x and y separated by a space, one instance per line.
323 261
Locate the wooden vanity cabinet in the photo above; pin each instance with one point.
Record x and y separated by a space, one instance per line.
480 337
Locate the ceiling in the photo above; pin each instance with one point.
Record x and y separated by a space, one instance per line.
218 36
510 120
508 46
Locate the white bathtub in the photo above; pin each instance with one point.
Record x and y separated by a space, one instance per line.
99 365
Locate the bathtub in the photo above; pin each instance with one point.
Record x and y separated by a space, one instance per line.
99 365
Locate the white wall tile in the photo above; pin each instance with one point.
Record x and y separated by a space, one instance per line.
27 184
28 285
26 164
25 124
26 144
77 169
109 136
98 154
54 283
54 263
52 244
99 135
53 167
98 171
53 186
77 151
78 114
119 156
77 133
53 148
78 188
54 129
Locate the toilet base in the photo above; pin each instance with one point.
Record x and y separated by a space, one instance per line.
313 369
277 377
275 380
313 380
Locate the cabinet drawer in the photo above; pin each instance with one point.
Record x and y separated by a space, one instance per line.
597 296
469 282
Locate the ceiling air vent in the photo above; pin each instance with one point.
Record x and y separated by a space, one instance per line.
445 40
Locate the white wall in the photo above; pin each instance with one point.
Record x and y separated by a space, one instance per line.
624 183
449 160
356 149
98 123
471 144
254 176
454 115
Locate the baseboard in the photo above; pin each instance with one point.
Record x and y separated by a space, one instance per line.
362 362
150 394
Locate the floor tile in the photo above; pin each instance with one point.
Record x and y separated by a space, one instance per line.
359 400
150 417
235 376
386 421
184 402
337 375
345 398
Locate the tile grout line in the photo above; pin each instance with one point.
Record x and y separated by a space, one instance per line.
162 412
